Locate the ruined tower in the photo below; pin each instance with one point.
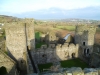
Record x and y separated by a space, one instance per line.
19 37
84 36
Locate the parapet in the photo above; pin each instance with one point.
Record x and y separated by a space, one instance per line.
67 46
75 71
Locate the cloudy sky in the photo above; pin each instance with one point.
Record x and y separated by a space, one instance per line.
51 9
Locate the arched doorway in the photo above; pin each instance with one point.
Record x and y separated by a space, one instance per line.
86 52
73 55
3 70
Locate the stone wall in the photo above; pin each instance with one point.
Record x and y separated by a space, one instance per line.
75 71
51 38
60 52
8 63
19 36
84 36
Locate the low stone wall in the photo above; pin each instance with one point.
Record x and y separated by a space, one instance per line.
75 71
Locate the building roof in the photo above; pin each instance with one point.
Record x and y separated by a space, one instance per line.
66 37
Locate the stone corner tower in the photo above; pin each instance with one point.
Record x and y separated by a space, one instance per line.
84 36
19 36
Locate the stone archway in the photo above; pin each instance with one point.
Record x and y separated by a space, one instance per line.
3 70
73 55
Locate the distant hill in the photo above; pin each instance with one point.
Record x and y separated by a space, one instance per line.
7 19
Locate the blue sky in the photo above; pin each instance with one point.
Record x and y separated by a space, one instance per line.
51 9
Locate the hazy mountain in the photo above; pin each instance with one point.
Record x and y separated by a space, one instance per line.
57 13
5 18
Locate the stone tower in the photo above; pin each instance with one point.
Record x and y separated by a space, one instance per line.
84 36
19 37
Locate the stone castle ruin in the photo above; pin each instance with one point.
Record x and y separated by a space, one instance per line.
20 39
59 52
85 36
20 45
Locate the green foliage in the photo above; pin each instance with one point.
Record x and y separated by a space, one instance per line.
37 35
35 22
44 66
68 27
38 45
67 63
74 62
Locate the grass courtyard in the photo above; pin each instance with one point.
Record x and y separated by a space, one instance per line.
67 63
38 36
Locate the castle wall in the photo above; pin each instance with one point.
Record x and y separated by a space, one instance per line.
16 40
52 53
95 57
19 36
84 36
8 63
75 71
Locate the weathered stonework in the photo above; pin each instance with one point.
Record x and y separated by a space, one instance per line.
75 71
51 38
84 36
60 52
19 37
8 63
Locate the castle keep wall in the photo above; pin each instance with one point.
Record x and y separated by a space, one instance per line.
84 36
60 52
19 36
16 40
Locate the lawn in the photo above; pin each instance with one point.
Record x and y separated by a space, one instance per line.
37 35
74 62
67 63
68 27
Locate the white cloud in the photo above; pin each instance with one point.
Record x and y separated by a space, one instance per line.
20 6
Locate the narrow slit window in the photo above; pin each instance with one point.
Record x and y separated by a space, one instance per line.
84 43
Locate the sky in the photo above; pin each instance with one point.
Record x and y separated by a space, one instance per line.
51 9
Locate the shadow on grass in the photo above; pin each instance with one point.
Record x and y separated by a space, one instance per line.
65 64
74 63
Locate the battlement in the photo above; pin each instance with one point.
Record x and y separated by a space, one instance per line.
66 46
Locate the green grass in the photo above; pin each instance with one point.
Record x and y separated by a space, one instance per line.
74 62
44 66
38 45
68 27
37 35
67 63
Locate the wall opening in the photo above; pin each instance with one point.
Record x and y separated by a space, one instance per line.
44 55
22 62
73 55
3 70
85 51
84 43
